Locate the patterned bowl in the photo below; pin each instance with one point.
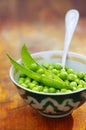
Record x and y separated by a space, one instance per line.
58 104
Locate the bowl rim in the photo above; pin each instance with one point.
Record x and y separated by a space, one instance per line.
81 56
42 93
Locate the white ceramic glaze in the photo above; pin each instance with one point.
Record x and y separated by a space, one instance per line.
71 20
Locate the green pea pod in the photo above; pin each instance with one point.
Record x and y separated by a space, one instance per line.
27 58
42 79
28 61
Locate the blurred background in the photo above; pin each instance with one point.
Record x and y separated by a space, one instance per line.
38 23
39 10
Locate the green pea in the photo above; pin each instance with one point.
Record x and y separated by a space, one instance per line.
34 67
46 65
85 85
40 87
22 75
70 71
79 86
71 77
35 82
24 85
73 85
45 90
57 91
21 80
66 68
40 71
77 80
55 71
63 75
82 82
50 67
31 85
35 88
85 77
27 80
58 66
67 83
52 90
43 75
80 75
63 90
68 91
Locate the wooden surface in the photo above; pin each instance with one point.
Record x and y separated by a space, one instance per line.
15 114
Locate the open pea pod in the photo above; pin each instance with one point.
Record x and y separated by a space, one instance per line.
28 61
42 79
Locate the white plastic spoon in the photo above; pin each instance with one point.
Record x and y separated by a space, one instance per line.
71 20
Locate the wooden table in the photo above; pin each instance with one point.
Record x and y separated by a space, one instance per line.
15 114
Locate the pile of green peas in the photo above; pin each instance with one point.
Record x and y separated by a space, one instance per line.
74 79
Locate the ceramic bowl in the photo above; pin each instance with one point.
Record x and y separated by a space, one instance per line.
58 104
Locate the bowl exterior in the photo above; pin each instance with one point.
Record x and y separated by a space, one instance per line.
54 105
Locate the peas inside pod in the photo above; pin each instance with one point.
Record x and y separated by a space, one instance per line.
74 80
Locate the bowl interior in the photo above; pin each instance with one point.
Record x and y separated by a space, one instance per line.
75 61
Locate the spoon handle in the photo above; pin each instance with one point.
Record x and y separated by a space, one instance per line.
71 20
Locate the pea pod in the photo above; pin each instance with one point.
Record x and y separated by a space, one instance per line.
42 79
27 58
28 61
